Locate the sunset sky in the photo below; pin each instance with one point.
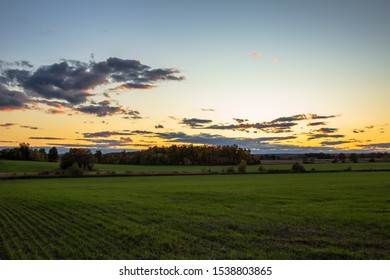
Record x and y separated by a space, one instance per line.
272 76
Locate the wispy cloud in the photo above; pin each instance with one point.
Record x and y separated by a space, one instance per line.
336 143
29 127
133 86
384 146
326 130
105 134
7 125
195 123
46 138
315 123
255 55
240 120
267 127
324 135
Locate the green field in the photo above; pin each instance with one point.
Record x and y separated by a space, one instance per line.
20 167
266 216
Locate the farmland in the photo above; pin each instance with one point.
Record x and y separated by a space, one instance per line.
342 215
21 167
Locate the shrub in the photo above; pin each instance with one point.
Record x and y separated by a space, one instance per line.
75 170
297 167
242 166
230 169
261 169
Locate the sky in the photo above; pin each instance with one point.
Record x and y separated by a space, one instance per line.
271 76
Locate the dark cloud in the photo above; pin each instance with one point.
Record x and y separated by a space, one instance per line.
290 119
256 144
29 127
369 126
315 123
358 130
267 127
107 143
207 110
195 123
279 125
322 135
301 117
55 111
7 125
46 138
276 138
335 143
240 120
20 63
326 130
381 146
132 114
105 134
12 99
158 126
132 86
72 81
100 110
142 132
104 108
317 117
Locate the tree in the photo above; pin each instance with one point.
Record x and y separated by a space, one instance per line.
82 157
297 167
25 150
353 157
342 157
53 155
42 154
99 156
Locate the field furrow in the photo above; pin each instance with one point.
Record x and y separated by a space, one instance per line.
278 216
30 231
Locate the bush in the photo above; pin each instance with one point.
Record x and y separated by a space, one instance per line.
261 169
242 166
297 167
230 169
75 170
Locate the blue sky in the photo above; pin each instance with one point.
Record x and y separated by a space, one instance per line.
254 60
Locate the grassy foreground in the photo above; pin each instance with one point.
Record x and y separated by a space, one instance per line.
270 216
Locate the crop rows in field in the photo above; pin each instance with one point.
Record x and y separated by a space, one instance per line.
34 231
298 216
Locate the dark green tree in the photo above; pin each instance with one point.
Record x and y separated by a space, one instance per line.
25 151
354 157
82 157
99 156
53 155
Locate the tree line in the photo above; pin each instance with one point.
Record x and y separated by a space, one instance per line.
181 155
25 152
172 155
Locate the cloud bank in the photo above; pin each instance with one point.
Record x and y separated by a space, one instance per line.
70 84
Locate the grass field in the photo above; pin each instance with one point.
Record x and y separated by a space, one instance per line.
9 166
271 216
